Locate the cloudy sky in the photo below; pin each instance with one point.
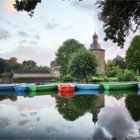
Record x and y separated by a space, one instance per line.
39 37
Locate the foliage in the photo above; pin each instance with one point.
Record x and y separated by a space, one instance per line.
83 64
112 69
104 79
67 78
119 61
138 78
26 5
133 54
5 75
29 63
64 53
126 75
133 106
119 17
72 108
2 63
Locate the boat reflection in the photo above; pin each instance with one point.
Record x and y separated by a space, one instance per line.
87 92
66 93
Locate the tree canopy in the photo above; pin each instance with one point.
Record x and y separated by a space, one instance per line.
83 64
119 17
133 55
64 53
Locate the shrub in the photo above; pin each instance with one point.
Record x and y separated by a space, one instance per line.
126 75
67 78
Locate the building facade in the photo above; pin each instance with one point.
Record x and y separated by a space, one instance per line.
99 53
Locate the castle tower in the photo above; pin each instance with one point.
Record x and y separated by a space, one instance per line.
99 53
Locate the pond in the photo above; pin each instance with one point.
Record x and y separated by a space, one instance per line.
82 116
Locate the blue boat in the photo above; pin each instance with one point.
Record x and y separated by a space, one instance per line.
86 92
139 85
138 92
87 86
13 93
9 87
22 87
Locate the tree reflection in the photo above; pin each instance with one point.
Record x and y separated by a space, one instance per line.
11 97
72 108
133 106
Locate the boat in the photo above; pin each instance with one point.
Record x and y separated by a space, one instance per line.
120 91
139 85
43 87
22 87
8 87
65 87
86 92
13 93
138 92
66 93
120 85
87 86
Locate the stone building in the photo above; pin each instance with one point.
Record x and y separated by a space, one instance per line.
99 53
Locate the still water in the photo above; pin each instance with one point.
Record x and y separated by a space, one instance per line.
51 116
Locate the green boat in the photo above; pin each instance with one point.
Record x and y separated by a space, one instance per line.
124 91
47 87
120 85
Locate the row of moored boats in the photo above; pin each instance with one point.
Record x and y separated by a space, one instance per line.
70 87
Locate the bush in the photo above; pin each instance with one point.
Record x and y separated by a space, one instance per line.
126 75
67 78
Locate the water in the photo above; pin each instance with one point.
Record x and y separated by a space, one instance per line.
49 116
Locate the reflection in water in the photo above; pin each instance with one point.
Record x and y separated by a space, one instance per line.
133 105
52 117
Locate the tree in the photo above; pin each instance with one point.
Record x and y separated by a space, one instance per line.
83 64
120 61
119 17
29 63
13 60
133 106
64 53
2 64
26 5
133 55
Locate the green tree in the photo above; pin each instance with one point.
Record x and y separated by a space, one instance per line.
2 64
83 64
120 61
133 55
64 54
29 63
119 17
26 5
133 106
13 60
112 69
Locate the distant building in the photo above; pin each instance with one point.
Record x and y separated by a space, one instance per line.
33 76
54 68
99 53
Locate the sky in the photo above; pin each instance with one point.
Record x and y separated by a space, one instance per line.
38 38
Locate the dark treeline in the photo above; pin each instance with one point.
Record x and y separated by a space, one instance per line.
10 65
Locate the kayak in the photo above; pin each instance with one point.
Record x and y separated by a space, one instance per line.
13 93
120 85
87 86
22 87
139 85
66 87
86 92
43 87
8 87
66 93
124 91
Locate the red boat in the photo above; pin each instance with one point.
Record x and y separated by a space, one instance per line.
65 87
66 93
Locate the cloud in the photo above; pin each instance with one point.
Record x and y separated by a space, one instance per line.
4 122
118 118
23 122
33 113
21 33
51 25
23 115
85 5
99 134
66 28
33 42
4 34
